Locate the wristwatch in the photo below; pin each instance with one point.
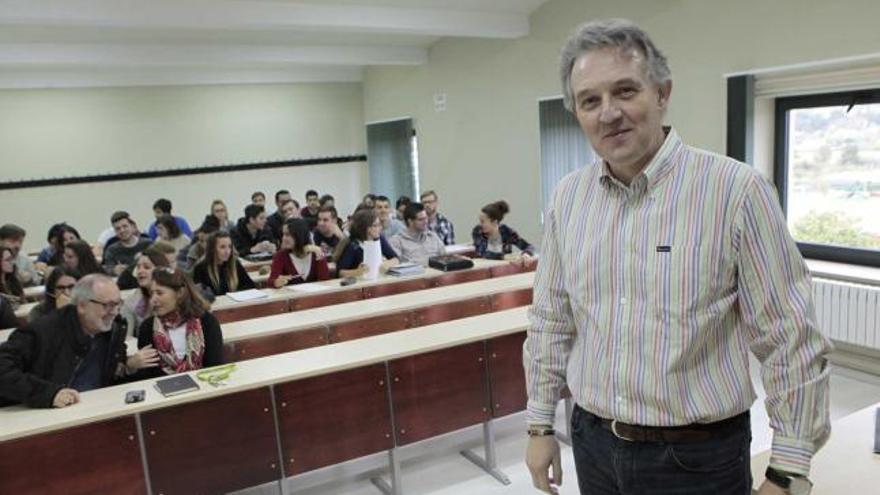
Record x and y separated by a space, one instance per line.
541 431
793 483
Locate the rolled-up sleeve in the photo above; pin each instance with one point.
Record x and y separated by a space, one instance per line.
775 294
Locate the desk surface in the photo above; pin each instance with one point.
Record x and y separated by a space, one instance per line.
286 322
846 463
97 405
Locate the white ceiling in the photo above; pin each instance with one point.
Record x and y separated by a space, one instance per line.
85 43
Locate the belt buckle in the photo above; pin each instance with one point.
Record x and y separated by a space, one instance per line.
618 435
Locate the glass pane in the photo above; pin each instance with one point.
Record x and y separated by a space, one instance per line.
834 175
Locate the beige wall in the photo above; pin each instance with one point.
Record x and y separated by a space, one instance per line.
52 133
485 145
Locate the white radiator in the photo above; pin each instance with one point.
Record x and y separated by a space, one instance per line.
848 312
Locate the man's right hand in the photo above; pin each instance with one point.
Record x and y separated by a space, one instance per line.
118 269
542 453
65 397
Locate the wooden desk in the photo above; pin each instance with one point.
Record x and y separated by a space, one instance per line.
410 367
846 464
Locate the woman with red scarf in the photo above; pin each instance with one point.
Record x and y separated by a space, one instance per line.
182 333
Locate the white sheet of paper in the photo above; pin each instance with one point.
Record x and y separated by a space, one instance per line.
307 287
247 295
372 258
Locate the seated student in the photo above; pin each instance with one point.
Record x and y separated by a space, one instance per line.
251 235
136 306
7 315
59 285
258 198
219 270
365 226
289 210
77 348
326 200
327 233
437 222
495 240
391 226
120 254
10 285
416 244
182 335
299 260
163 207
128 279
78 256
12 236
53 254
276 220
170 233
369 200
400 206
187 258
309 213
219 210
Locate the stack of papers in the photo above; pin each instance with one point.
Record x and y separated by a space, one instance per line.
406 269
247 295
307 287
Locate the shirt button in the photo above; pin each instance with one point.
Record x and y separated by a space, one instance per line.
619 399
623 300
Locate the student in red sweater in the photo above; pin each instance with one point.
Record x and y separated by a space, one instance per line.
299 260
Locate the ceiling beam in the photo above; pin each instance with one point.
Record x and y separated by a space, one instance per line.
94 54
262 15
85 78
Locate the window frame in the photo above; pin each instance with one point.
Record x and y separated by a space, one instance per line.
783 105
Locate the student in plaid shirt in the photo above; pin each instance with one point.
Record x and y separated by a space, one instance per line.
437 222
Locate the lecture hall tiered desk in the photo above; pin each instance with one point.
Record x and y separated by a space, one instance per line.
411 385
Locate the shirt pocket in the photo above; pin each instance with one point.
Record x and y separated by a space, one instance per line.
682 279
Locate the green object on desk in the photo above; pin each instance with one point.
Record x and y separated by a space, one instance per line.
217 375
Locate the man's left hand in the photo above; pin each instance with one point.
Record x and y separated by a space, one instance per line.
768 488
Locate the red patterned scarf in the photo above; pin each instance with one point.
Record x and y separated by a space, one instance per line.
195 343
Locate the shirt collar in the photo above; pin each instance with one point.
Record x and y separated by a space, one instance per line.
659 166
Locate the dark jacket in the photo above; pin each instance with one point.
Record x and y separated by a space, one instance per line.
353 254
213 343
509 238
244 241
7 315
200 276
41 358
275 224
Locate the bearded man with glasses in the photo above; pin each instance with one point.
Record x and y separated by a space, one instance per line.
80 347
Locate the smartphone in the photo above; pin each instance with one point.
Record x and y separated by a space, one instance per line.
347 281
133 396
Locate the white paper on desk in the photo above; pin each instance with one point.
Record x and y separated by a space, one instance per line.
307 287
372 258
459 248
247 295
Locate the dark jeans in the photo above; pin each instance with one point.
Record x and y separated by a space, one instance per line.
607 465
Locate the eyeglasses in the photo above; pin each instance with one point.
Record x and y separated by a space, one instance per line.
108 306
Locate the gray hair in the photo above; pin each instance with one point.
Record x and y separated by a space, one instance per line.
615 33
84 290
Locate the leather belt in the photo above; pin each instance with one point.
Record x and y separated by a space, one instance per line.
696 432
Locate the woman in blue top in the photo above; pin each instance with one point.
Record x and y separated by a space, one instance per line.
365 226
495 240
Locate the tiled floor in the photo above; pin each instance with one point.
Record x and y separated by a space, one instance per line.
436 468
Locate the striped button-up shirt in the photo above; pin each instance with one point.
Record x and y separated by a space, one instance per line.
648 298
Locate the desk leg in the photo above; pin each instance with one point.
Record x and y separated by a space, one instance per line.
489 463
282 482
142 446
394 467
565 438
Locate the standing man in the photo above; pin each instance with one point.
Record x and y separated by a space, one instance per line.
437 223
662 265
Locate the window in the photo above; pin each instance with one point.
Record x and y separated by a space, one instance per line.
827 169
564 148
